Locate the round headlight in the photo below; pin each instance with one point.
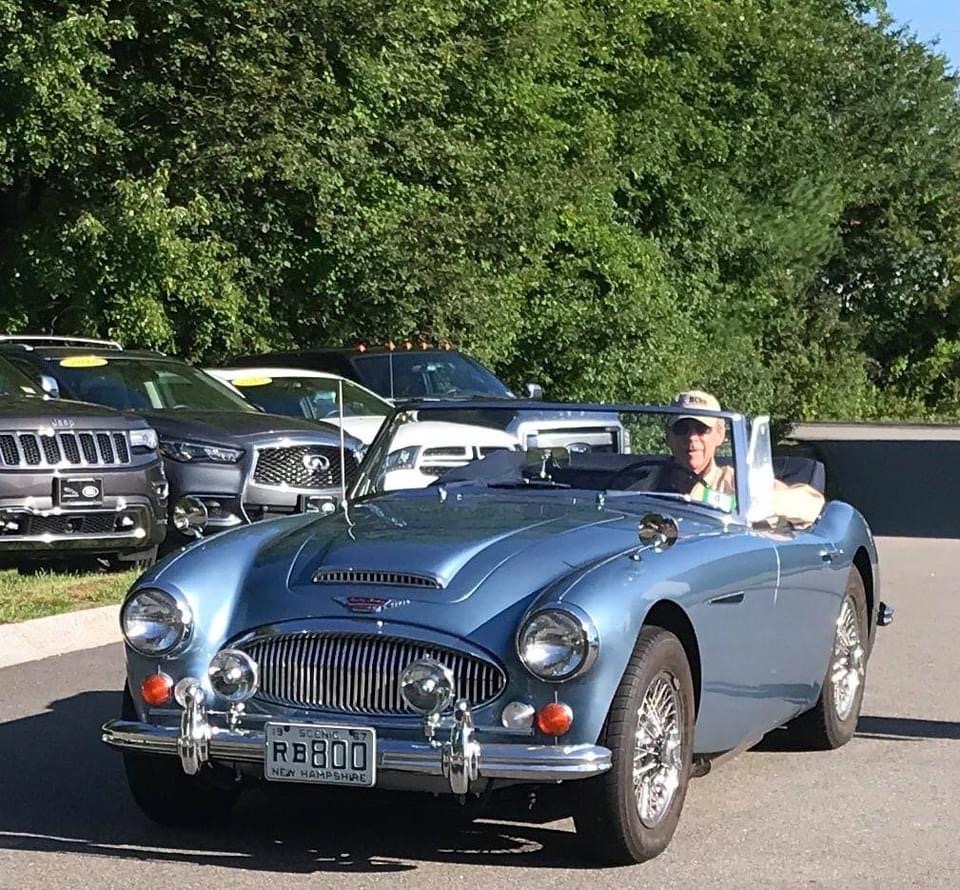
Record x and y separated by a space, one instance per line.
557 643
155 622
427 686
233 675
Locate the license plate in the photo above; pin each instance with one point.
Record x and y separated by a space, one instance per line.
320 754
78 490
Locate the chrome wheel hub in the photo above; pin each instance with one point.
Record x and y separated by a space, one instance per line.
657 749
847 670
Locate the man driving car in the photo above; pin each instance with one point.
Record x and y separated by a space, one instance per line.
693 441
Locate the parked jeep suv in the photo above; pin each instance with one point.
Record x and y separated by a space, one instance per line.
227 462
76 480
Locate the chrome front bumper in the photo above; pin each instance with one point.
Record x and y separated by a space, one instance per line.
519 762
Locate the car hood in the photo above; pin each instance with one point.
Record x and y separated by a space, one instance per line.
32 411
487 553
235 426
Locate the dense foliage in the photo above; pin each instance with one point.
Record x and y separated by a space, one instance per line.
619 199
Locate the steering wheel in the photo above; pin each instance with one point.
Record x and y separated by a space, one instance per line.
647 463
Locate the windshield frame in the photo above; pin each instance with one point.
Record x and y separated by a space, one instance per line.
739 427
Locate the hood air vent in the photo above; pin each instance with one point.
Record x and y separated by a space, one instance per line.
368 576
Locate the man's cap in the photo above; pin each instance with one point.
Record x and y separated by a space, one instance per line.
696 398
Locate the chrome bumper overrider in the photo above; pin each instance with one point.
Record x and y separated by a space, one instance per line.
532 763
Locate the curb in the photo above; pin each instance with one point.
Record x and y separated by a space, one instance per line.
58 635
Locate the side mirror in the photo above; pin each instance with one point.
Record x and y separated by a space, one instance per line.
658 531
50 386
534 390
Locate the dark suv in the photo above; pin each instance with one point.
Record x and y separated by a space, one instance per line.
227 462
401 373
76 480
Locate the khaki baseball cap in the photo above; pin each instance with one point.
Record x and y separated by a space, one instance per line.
696 398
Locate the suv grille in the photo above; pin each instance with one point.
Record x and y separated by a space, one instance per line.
72 449
303 466
360 673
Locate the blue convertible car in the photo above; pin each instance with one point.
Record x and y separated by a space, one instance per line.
595 626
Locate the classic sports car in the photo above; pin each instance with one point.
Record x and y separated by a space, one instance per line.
566 623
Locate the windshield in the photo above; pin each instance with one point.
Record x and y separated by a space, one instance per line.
412 375
14 383
138 384
316 398
662 453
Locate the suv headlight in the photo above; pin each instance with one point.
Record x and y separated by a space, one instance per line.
556 643
144 439
155 622
185 452
401 459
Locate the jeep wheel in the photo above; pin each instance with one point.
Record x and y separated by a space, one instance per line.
629 813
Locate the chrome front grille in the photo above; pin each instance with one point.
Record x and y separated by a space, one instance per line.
74 448
369 576
303 466
359 673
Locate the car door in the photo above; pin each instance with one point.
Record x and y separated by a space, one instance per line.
734 616
807 605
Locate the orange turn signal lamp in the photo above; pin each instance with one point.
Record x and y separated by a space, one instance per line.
555 718
390 346
157 689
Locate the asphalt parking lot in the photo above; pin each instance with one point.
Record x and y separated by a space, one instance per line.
883 811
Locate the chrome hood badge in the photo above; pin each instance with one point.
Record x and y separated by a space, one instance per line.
369 605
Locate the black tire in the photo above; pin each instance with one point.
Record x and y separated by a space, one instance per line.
607 816
167 795
822 728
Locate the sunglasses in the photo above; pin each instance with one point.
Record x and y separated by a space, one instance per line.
686 427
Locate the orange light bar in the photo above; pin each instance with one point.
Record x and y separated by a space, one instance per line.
157 689
555 718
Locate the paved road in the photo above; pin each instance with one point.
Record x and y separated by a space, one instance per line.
883 811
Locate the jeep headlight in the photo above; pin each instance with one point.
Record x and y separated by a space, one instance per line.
155 622
556 643
145 438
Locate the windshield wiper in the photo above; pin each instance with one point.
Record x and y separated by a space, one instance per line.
528 483
613 493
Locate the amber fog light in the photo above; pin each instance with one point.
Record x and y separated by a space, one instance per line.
157 689
233 675
555 718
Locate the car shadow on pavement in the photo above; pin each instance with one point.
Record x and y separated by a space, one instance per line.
63 790
906 728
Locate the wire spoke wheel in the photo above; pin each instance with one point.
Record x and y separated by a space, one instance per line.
848 668
657 750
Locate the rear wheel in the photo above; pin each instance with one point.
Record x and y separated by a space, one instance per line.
629 813
832 722
167 795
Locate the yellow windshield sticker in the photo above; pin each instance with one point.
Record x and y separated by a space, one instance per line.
251 381
82 361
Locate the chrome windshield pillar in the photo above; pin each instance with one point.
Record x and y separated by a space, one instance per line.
193 743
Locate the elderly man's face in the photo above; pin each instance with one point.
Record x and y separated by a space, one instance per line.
693 443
